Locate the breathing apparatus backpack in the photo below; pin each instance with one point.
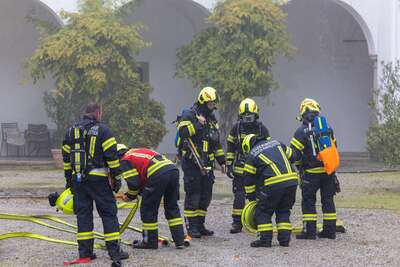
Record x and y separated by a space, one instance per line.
327 151
79 150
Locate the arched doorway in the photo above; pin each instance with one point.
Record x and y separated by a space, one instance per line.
332 65
20 100
171 24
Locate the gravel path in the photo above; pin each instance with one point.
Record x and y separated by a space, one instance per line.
373 239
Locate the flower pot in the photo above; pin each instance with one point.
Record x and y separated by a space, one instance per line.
58 158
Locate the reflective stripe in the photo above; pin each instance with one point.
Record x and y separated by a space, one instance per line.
316 170
237 212
264 227
175 222
111 236
297 144
85 235
66 148
280 178
250 169
201 213
284 226
150 226
113 164
67 166
92 145
211 156
330 216
205 146
250 189
99 172
130 173
270 163
108 143
194 147
310 217
189 125
189 213
230 139
238 170
288 168
230 155
219 152
158 165
289 152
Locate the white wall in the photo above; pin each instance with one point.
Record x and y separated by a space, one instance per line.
331 65
20 102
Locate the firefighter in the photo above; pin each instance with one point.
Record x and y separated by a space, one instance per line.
90 156
313 178
155 177
247 124
271 180
198 128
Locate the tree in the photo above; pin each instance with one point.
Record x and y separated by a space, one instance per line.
235 55
384 133
92 58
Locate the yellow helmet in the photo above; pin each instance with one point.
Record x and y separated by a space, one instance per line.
207 94
248 105
309 104
246 143
65 202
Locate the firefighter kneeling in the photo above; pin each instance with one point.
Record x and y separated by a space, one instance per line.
270 179
155 177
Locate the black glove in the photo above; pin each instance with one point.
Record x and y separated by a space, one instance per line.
117 185
337 185
68 184
229 172
130 196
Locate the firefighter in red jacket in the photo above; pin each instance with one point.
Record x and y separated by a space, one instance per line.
155 177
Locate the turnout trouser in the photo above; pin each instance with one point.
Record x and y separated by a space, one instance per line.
97 189
161 185
198 195
279 201
239 198
311 184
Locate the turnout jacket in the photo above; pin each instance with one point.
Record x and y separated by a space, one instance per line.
205 137
268 166
239 131
101 149
301 143
140 164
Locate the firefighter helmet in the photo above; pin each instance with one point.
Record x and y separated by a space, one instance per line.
247 143
247 106
65 202
309 104
207 94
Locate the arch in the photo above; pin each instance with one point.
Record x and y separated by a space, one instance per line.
364 26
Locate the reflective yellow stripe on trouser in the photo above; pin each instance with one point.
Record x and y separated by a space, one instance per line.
264 227
310 217
329 216
284 226
150 226
84 236
237 212
111 236
175 222
201 213
189 213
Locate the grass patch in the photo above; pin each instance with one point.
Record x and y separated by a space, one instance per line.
374 199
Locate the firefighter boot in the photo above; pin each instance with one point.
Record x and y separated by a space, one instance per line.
115 252
202 229
178 236
262 242
236 228
309 231
150 240
328 231
193 227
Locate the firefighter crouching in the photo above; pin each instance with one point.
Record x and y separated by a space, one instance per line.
90 156
247 124
270 179
155 177
199 146
313 178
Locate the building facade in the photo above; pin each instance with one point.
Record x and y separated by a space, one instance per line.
340 44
